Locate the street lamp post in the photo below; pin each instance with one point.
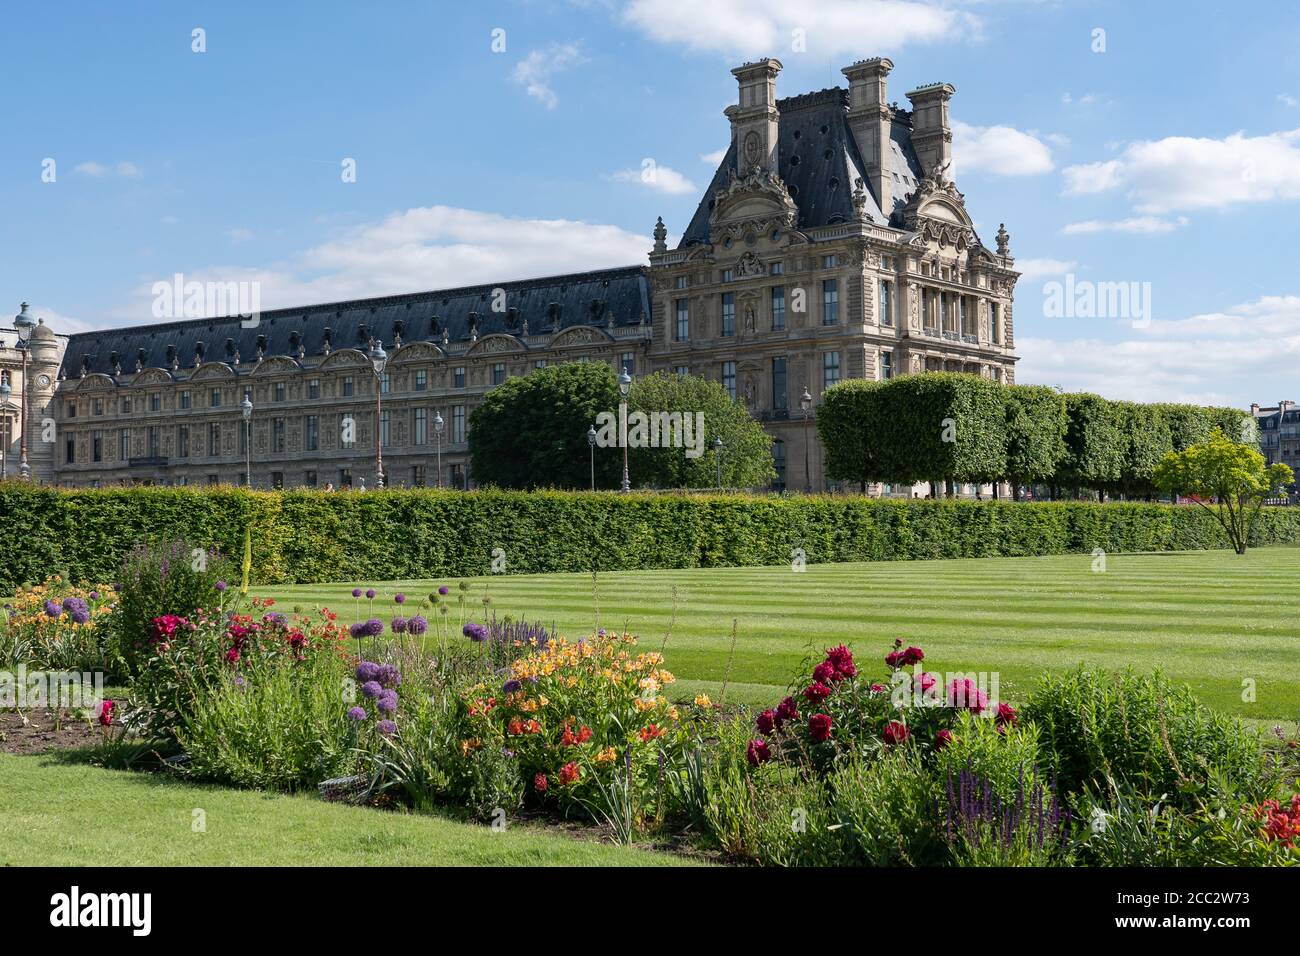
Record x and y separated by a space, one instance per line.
379 358
437 432
717 451
247 408
624 384
805 402
591 443
5 392
23 325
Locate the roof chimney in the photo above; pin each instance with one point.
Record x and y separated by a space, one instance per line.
754 119
931 133
869 119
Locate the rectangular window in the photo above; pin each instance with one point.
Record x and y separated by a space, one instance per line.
97 446
995 321
214 479
830 369
69 451
830 301
682 370
277 436
498 372
778 308
279 391
776 269
680 282
627 362
458 376
155 402
99 406
348 386
729 378
182 441
153 442
312 436
421 380
313 388
72 410
458 476
828 262
421 426
385 383
886 303
778 384
728 313
778 464
185 399
277 480
309 479
727 275
214 399
683 327
345 477
457 424
540 364
126 406
418 476
123 444
383 428
886 365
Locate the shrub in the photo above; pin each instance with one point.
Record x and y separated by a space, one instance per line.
55 626
983 827
1141 731
889 807
1005 754
161 577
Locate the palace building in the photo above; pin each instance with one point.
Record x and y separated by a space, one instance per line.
831 243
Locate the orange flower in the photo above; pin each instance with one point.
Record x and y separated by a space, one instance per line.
650 732
570 774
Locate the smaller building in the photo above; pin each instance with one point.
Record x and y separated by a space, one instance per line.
28 397
1279 433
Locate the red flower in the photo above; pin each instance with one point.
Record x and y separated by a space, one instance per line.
1006 715
232 655
297 639
964 693
584 734
540 783
878 688
766 721
942 739
824 672
841 658
648 733
913 655
819 727
925 682
895 733
787 710
817 692
894 659
515 727
758 751
569 774
106 713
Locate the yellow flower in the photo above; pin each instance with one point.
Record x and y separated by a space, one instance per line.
608 755
702 700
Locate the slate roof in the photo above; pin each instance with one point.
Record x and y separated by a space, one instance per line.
548 304
819 161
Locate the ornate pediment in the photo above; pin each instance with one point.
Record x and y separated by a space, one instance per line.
579 335
212 370
152 376
417 352
936 212
95 382
276 363
344 358
496 342
752 204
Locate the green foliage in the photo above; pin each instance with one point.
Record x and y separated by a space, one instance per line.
306 536
1146 438
1036 425
1094 443
1232 474
850 428
1140 731
531 431
747 449
1004 756
889 807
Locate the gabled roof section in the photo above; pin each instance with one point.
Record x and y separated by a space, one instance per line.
547 304
819 163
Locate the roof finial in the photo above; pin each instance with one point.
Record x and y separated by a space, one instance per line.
661 236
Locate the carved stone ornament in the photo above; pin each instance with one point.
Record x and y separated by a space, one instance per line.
757 202
750 265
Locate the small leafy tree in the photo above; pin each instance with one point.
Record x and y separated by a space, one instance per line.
1233 475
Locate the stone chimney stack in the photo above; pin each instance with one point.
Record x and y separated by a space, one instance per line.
869 119
754 118
1254 408
931 131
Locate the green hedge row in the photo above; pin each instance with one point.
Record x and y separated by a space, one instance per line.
303 536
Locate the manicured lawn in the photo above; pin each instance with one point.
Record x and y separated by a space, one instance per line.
1210 618
69 815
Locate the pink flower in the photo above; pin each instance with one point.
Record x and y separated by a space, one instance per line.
758 751
942 739
964 694
106 713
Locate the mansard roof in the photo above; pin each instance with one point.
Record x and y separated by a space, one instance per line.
548 305
819 162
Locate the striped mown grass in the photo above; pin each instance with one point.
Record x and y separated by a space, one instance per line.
1213 619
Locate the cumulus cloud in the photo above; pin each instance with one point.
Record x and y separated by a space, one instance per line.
1245 353
101 170
1136 224
659 178
780 28
713 158
536 71
1186 173
1031 269
999 151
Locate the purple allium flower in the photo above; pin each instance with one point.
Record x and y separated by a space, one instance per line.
398 624
221 587
357 713
356 592
79 616
367 671
94 595
386 727
53 608
387 702
357 630
601 632
510 686
475 632
444 590
371 688
399 597
417 625
389 675
373 627
240 682
370 593
276 618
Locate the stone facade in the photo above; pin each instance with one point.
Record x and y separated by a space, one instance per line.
831 243
32 395
1279 433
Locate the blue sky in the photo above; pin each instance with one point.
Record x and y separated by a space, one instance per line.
1170 158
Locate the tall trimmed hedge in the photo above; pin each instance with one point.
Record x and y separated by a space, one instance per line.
304 536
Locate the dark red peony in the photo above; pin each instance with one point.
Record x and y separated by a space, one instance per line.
895 732
817 692
819 727
942 739
758 751
766 722
824 672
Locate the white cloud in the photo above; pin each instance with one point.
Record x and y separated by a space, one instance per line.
100 170
1137 224
768 27
713 158
999 151
1031 269
240 235
662 179
535 71
435 247
1183 172
1286 99
1243 354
